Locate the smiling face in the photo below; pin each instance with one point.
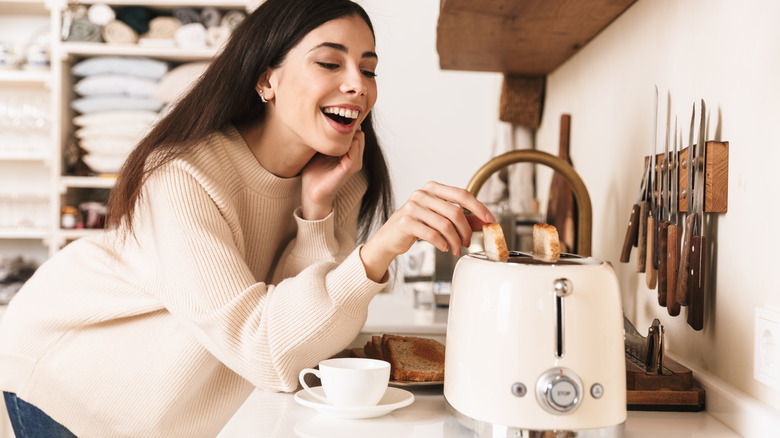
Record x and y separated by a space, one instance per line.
323 89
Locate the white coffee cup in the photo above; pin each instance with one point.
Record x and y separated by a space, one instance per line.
350 381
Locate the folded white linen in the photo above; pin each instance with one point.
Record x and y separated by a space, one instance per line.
115 84
138 117
100 14
130 65
124 132
91 104
191 36
178 81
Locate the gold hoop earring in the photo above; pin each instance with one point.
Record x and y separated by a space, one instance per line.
262 98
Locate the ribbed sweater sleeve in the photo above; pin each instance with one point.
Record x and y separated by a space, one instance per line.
266 333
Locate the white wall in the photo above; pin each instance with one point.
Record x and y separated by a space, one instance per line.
433 124
439 125
726 52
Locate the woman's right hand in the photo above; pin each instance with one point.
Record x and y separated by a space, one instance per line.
434 214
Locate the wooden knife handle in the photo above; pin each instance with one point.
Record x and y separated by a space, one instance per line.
672 252
696 283
651 274
682 271
631 234
641 248
662 277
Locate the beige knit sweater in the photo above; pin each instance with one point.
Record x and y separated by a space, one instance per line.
224 288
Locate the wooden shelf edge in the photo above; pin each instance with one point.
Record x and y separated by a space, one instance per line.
529 38
104 49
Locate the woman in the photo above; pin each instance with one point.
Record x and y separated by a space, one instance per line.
229 261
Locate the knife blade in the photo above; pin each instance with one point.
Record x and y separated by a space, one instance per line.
632 231
672 238
698 241
647 352
652 230
685 247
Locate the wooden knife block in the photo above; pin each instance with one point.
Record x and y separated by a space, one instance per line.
716 177
675 390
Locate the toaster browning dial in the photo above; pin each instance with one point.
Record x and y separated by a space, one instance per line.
559 391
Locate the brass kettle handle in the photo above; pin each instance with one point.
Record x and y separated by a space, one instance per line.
585 210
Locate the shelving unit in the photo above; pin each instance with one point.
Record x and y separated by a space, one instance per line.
44 172
26 173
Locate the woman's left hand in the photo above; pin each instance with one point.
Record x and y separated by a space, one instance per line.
323 177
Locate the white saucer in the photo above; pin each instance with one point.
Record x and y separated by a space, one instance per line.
393 399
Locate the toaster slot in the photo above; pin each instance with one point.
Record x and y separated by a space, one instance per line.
562 288
559 327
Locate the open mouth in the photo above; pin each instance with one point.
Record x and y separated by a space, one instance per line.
342 116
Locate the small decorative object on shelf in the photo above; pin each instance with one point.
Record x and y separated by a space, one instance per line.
70 218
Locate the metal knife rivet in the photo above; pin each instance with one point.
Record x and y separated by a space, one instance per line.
684 193
684 163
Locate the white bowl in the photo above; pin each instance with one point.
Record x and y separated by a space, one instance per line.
115 147
103 163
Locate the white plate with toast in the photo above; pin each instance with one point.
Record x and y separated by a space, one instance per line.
394 398
413 383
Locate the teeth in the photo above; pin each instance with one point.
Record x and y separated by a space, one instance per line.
343 112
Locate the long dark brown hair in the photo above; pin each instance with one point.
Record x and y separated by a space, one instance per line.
226 94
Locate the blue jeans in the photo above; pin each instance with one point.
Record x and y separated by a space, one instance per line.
31 422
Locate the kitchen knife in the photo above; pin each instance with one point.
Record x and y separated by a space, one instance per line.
685 247
663 218
632 232
698 241
672 238
641 246
646 351
652 230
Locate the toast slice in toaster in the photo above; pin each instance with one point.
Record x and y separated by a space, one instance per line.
495 243
545 242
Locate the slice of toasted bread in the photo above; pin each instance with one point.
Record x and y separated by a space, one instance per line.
357 352
494 243
545 242
414 358
373 348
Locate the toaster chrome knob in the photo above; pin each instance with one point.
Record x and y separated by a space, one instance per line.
559 391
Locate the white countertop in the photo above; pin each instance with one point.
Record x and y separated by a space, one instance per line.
278 415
